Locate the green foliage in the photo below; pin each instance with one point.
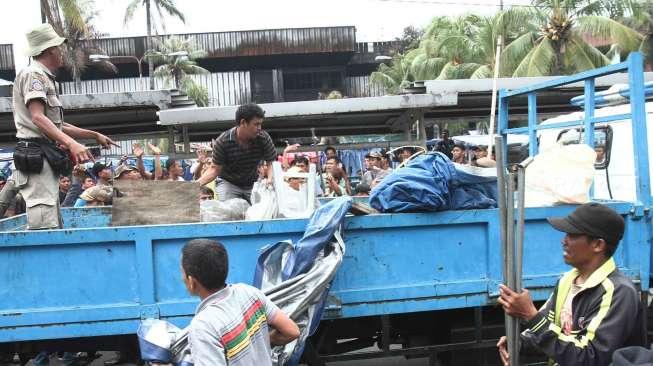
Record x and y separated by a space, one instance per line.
551 38
198 93
73 19
175 57
162 6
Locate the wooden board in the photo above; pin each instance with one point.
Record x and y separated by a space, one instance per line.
154 202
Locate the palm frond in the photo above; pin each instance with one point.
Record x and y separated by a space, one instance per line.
194 69
460 71
73 14
483 72
598 26
131 9
543 60
170 7
580 56
424 67
513 54
198 93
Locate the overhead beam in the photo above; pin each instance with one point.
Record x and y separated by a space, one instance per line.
158 98
308 109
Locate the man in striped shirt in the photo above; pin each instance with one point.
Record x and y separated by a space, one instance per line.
234 324
237 153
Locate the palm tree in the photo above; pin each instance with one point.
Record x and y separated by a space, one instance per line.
641 19
465 47
395 76
73 19
560 47
176 58
161 5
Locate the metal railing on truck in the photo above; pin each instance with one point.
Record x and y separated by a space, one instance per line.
634 67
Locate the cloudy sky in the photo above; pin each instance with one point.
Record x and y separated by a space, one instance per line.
375 20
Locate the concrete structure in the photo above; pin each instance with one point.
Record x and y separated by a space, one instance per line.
272 65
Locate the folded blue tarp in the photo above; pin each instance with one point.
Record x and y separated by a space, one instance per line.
431 182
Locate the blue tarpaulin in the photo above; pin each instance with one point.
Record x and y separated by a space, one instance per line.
430 182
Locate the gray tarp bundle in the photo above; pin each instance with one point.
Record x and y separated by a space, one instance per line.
296 278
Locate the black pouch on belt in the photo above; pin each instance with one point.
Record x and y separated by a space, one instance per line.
57 158
28 157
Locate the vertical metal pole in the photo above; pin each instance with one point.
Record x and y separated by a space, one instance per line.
589 115
532 123
186 137
639 129
501 192
513 324
521 218
421 129
503 123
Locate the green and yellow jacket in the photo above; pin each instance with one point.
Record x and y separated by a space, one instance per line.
607 315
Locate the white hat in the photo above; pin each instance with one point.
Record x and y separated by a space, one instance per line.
41 38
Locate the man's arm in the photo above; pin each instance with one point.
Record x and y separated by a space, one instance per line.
82 133
210 174
158 170
284 330
45 125
284 157
138 151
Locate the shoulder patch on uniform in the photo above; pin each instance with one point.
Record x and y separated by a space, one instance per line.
36 85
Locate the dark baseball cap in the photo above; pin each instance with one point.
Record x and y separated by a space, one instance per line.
593 219
98 167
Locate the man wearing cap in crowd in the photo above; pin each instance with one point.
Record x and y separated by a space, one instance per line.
594 309
38 116
127 172
102 173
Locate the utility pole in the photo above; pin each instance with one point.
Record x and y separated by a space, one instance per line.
501 5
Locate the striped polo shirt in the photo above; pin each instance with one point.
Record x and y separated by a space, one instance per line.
239 162
230 327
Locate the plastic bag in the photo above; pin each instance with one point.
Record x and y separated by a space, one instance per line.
562 174
264 203
163 343
155 338
230 210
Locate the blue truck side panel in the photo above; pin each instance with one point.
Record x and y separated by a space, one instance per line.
94 281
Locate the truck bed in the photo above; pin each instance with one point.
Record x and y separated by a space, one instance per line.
91 279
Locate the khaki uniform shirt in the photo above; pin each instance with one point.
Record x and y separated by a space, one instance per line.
35 82
40 190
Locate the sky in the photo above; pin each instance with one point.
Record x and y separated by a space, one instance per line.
375 20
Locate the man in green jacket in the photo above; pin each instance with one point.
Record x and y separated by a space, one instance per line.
594 309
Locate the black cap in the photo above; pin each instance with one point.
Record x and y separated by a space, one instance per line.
593 219
98 167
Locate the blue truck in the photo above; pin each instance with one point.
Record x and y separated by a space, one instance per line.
426 282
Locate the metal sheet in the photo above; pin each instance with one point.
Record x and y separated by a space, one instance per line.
7 57
224 88
248 43
308 109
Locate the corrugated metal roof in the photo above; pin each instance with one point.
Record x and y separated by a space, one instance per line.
249 43
6 57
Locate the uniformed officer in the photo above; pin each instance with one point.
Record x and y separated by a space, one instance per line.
38 115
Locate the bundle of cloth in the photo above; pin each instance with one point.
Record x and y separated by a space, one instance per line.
431 182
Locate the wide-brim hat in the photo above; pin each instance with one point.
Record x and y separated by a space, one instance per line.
41 38
123 169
